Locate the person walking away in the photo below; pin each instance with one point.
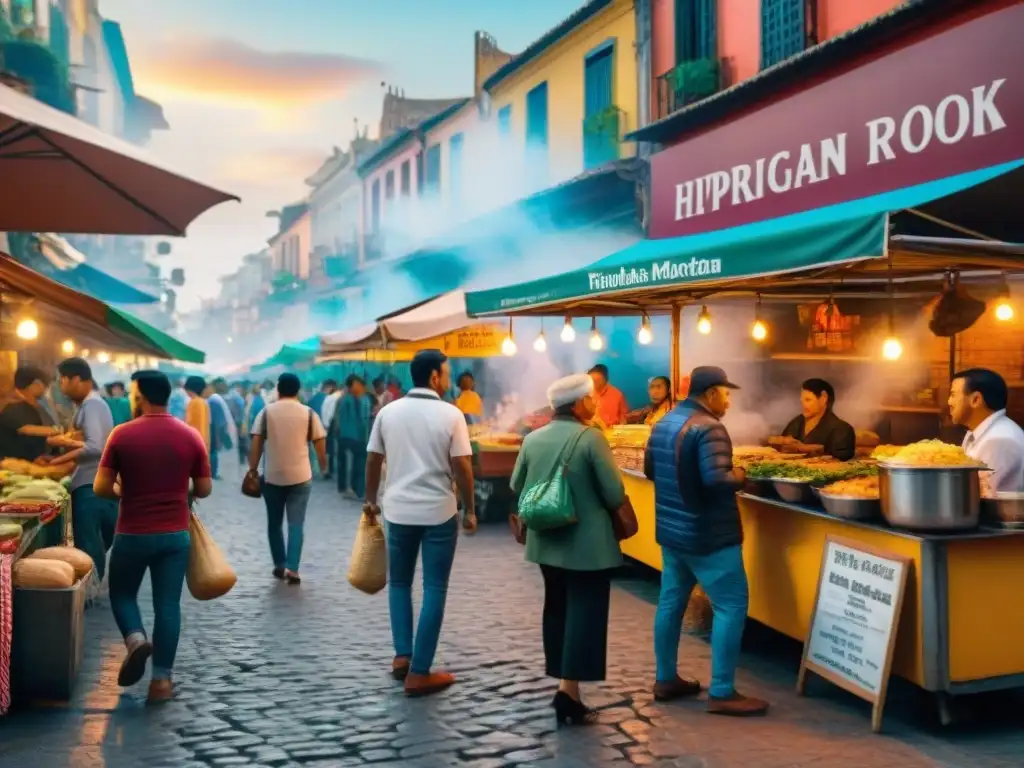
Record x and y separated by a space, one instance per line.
697 524
156 457
576 561
424 441
353 417
235 399
610 402
117 401
222 425
468 401
316 402
330 407
178 404
977 401
93 518
254 403
23 409
283 431
197 413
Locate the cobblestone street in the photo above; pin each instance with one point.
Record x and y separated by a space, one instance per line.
274 675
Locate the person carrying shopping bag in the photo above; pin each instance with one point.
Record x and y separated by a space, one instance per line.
156 457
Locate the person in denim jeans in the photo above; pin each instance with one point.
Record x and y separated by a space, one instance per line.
283 430
697 524
425 441
156 457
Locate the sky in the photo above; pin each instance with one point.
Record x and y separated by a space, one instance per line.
257 92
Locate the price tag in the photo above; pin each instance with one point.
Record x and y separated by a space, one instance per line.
853 627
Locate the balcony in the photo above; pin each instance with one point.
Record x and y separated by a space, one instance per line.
685 84
602 136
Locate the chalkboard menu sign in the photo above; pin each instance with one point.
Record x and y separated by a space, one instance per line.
853 627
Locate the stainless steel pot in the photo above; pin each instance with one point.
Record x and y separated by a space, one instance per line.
930 498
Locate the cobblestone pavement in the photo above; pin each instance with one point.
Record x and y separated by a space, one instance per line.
294 676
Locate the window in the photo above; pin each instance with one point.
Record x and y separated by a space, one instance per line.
505 120
389 185
375 208
695 31
455 167
406 178
600 119
432 169
783 30
537 133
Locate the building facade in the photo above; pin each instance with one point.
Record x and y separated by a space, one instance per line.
290 245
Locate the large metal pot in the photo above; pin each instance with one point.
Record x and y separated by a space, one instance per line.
930 498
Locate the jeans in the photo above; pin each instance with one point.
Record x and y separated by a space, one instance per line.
290 499
404 543
215 463
724 580
93 521
352 466
166 556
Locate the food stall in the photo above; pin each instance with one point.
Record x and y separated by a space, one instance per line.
949 642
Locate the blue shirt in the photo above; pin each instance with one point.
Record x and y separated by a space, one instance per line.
178 403
353 418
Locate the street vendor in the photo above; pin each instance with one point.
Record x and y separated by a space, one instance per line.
611 403
468 401
818 423
659 390
24 409
977 401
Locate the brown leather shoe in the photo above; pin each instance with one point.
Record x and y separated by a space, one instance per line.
134 665
160 691
676 689
424 685
400 668
736 705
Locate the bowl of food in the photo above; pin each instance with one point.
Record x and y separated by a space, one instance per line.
853 499
1003 509
794 491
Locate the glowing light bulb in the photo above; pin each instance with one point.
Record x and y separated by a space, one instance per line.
103 357
596 343
540 344
892 349
68 347
759 331
644 335
1004 310
704 322
568 334
27 330
508 347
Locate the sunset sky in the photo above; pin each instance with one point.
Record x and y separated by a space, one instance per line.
258 91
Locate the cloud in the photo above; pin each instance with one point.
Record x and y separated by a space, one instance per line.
231 73
270 166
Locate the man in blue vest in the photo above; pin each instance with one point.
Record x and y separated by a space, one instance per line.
697 524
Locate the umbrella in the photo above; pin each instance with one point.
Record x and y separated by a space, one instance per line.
62 175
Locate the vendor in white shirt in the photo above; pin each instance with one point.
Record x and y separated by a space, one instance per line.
977 400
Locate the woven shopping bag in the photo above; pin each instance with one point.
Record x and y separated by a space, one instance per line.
209 575
368 568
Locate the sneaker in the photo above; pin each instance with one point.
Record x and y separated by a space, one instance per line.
736 705
134 665
675 689
424 685
279 573
400 668
292 577
160 691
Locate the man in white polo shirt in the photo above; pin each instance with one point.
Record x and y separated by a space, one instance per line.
426 443
977 400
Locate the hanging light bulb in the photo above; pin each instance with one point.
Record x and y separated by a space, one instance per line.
508 344
540 344
67 347
1004 305
568 334
596 343
892 347
644 335
704 321
759 330
28 329
103 357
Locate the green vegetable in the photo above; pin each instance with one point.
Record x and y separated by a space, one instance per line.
791 470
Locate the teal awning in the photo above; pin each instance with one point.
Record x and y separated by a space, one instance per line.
290 354
840 234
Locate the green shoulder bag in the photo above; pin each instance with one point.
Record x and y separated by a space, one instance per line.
548 504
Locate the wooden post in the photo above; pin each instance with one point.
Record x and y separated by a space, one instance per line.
675 362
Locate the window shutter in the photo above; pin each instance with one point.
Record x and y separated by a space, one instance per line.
597 86
783 30
707 37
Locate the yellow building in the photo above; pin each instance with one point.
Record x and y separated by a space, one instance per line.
569 98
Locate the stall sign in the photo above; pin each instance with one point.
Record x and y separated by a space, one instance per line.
853 626
947 104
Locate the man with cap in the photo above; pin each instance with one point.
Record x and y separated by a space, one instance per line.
697 524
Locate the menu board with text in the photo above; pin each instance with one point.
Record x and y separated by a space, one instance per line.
856 613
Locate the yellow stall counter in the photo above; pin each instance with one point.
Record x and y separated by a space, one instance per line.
960 625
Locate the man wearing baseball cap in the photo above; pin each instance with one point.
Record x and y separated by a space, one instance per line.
697 524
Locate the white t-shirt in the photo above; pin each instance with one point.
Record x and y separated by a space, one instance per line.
418 438
999 442
286 449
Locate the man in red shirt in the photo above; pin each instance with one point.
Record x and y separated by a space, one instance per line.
611 403
155 456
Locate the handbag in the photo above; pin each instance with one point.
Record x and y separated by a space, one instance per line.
252 483
624 522
209 575
548 504
515 524
368 568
